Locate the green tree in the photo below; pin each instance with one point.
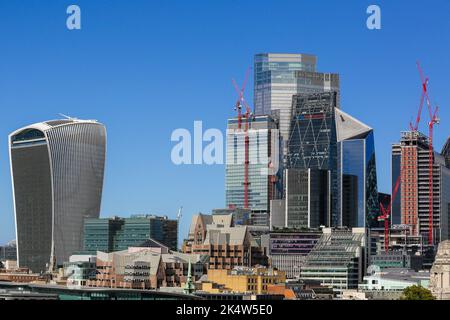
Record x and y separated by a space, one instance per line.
416 293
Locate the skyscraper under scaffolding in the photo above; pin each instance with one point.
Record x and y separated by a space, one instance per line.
410 159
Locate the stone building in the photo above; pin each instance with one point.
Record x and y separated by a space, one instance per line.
440 272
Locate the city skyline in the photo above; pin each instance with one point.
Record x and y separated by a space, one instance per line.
134 98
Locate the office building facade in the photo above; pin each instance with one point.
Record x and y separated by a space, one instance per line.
312 142
338 260
287 249
57 170
307 200
117 234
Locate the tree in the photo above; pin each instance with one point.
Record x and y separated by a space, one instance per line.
416 293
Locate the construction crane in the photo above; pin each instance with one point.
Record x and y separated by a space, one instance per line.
179 215
433 120
248 115
386 213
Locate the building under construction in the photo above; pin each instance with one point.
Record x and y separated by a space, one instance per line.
253 190
411 160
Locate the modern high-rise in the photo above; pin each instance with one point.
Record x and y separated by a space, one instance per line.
410 160
279 76
57 170
312 141
357 173
323 137
263 166
307 200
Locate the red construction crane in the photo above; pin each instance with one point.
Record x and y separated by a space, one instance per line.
433 120
386 213
239 103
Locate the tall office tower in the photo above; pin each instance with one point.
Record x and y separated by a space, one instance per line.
356 171
410 160
262 187
312 142
307 197
57 172
326 138
446 152
279 76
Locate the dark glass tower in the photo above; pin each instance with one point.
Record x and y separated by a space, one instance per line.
326 138
312 141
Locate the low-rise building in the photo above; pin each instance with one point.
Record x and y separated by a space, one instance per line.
287 249
390 283
243 280
337 260
226 245
146 268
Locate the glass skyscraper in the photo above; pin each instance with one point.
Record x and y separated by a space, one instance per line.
280 76
263 139
324 137
57 172
356 172
312 141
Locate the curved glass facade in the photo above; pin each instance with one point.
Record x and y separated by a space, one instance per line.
57 183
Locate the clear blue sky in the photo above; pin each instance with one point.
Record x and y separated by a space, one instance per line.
145 68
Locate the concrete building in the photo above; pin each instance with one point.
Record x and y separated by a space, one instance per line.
410 158
8 251
240 216
117 234
338 259
287 249
79 270
146 268
392 282
57 170
226 245
263 151
242 280
440 272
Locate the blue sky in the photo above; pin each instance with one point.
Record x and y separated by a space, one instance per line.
145 68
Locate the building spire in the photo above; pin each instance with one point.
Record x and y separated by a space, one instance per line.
189 287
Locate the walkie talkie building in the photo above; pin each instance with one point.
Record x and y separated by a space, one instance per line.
57 170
